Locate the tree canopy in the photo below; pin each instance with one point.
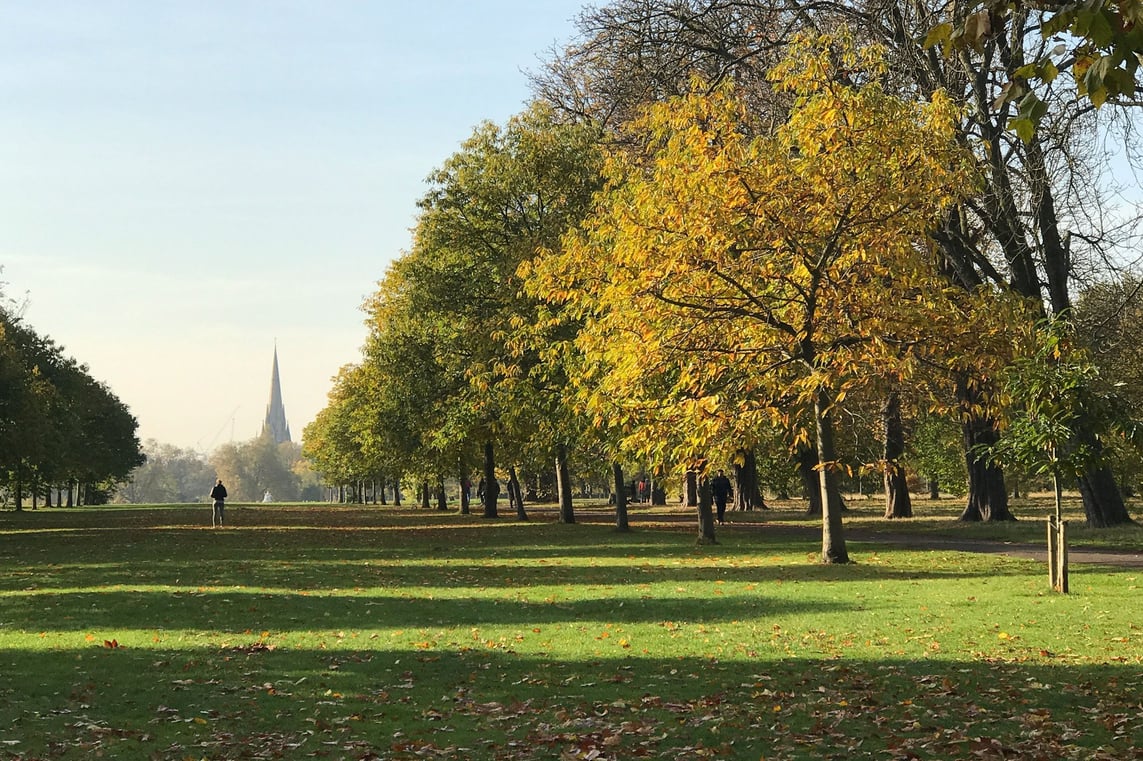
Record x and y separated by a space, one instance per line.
734 279
788 225
58 425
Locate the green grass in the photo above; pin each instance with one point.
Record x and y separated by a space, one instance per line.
376 633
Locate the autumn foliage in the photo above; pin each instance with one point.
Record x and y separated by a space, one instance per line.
734 278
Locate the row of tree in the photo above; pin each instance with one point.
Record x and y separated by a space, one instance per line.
729 230
64 436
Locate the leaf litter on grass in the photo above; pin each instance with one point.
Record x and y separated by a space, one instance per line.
791 661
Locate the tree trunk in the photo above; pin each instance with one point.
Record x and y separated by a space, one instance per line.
934 487
464 489
807 468
516 494
620 491
426 498
1102 501
691 495
897 501
747 492
705 503
442 498
491 487
987 495
833 538
396 492
563 485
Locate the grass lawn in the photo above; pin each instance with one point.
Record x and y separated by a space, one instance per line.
383 633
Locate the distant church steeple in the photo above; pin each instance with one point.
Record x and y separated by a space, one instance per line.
276 424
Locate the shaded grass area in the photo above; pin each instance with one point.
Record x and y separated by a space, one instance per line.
330 632
939 518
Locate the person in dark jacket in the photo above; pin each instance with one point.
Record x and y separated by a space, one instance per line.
720 489
218 495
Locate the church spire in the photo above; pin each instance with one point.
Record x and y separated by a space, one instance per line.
275 424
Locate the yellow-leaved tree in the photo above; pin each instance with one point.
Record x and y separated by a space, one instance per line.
734 278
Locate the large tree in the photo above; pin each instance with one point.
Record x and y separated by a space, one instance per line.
251 468
1107 316
739 272
170 475
1035 221
460 366
61 427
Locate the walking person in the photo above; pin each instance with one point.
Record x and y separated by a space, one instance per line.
218 495
720 489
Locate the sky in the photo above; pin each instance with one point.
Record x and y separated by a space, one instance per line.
185 185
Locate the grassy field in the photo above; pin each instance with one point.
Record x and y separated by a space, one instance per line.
378 633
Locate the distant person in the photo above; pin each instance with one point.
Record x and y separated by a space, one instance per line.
720 489
218 495
267 497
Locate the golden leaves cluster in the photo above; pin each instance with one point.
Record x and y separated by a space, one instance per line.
729 272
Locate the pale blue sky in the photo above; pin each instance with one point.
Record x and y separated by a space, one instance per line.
182 183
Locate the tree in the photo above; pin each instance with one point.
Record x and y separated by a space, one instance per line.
1107 317
457 354
1035 218
756 278
897 501
106 434
251 468
747 487
1053 392
169 475
630 53
935 451
1099 41
63 427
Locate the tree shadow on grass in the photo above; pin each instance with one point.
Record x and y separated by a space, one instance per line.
249 609
312 559
248 700
331 569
